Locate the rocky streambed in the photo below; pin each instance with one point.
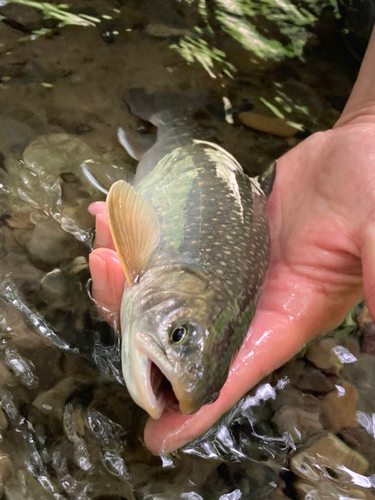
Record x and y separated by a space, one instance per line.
68 428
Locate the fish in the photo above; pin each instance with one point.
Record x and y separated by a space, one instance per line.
192 236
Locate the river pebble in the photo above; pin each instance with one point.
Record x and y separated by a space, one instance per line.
299 423
339 407
322 355
268 124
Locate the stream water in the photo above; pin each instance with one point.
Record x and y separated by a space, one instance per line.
275 72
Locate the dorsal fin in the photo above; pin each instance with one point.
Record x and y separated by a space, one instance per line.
134 226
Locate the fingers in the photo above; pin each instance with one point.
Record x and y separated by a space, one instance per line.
103 237
108 282
96 207
106 273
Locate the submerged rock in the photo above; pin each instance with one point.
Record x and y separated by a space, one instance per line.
268 124
325 490
367 328
6 471
3 421
49 245
22 486
299 423
56 154
361 440
327 457
15 135
61 289
52 402
339 407
322 355
315 381
362 375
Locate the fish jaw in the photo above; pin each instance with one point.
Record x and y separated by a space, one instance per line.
144 371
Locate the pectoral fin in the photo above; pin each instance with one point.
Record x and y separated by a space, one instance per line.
134 226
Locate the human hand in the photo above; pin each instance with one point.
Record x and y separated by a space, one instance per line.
322 222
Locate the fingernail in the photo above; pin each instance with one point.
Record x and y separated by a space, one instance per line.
99 273
96 207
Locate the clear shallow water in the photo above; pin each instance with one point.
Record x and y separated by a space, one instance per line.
68 427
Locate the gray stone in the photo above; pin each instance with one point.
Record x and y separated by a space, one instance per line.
50 245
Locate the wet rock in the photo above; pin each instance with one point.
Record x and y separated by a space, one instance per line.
62 290
74 421
115 403
6 378
339 407
289 396
22 486
104 486
299 423
326 458
293 370
56 154
322 355
315 381
3 421
351 343
278 494
33 361
23 273
22 17
367 329
15 135
72 121
49 245
268 124
164 31
6 471
79 369
361 440
52 402
362 375
325 490
22 369
19 220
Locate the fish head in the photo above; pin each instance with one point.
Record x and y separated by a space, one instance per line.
173 354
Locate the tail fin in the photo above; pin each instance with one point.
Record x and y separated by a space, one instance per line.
152 106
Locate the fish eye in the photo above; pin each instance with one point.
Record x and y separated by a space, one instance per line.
179 334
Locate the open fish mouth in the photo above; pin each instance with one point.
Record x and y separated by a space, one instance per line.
152 378
162 389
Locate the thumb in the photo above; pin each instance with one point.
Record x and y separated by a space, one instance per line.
368 267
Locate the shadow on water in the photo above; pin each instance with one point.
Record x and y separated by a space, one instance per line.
276 71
